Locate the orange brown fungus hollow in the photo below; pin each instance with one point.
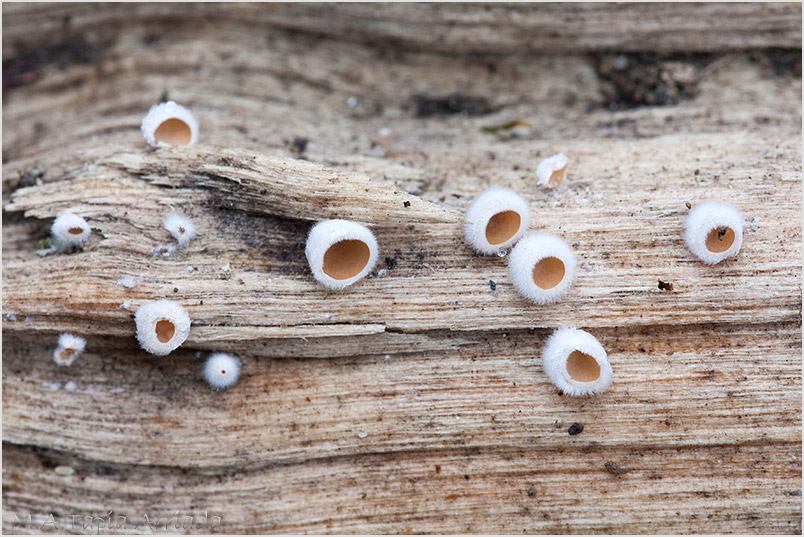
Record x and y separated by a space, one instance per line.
502 226
548 272
346 259
720 239
75 231
165 330
557 177
582 367
174 132
66 354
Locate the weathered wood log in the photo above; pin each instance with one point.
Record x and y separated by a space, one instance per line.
414 401
468 28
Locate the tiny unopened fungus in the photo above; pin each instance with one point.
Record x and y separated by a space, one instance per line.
181 228
221 370
69 348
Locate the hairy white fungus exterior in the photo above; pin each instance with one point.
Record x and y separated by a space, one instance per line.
181 228
340 252
221 370
69 348
168 124
576 362
714 231
161 326
70 229
553 170
542 267
496 220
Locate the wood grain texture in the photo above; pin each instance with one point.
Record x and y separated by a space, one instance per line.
414 401
472 28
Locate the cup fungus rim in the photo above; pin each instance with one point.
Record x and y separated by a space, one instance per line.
706 218
556 353
163 112
526 256
489 204
327 233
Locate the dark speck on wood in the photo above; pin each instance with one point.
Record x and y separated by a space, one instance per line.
613 469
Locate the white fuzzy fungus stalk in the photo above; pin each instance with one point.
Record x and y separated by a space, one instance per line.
714 231
69 348
553 170
221 370
161 326
69 229
169 124
181 228
576 362
542 267
340 252
496 220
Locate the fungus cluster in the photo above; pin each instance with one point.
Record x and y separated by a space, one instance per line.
340 252
542 266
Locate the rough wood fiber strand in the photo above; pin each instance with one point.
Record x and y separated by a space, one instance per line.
415 401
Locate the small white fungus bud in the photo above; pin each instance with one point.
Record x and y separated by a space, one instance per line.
181 228
714 231
553 170
340 252
168 124
496 220
161 326
70 229
69 348
542 267
221 370
576 362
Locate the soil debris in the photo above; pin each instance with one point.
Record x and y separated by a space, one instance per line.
646 79
451 105
613 469
575 428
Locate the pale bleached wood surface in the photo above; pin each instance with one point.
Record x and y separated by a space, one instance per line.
413 402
